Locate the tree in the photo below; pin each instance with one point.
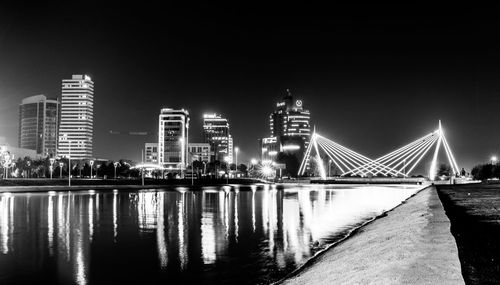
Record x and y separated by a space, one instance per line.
483 171
291 161
444 170
243 168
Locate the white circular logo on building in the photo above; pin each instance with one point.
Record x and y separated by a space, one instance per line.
298 103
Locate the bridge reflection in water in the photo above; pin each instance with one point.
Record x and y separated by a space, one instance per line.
244 235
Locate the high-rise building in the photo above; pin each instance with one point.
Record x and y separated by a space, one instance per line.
173 138
290 119
38 124
216 133
290 131
151 150
76 129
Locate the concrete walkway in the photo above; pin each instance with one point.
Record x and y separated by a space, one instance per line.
411 245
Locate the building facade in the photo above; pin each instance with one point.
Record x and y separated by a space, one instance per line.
269 148
216 133
199 152
230 149
173 138
151 153
76 129
15 152
38 125
290 133
290 119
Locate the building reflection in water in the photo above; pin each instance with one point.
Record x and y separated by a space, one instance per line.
63 234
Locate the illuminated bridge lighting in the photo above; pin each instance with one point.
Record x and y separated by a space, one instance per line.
400 162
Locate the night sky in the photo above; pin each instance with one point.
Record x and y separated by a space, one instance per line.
372 82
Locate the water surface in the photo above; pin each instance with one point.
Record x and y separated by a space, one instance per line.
221 235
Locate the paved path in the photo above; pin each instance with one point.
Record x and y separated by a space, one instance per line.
411 245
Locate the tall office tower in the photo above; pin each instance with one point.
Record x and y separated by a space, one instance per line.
216 132
290 119
173 138
38 124
76 129
290 129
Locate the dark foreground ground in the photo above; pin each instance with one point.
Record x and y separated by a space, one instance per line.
474 213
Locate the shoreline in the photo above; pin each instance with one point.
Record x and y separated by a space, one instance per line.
377 249
310 262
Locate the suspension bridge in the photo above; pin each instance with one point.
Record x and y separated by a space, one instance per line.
398 163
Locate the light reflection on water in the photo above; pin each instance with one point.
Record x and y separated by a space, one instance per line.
218 235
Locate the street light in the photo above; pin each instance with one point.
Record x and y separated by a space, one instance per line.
52 160
96 170
493 159
8 161
60 169
65 138
226 159
116 165
28 164
142 166
236 150
91 164
183 159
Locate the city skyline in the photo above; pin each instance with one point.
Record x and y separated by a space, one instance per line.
359 77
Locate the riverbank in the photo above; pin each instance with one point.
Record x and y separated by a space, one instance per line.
474 212
412 244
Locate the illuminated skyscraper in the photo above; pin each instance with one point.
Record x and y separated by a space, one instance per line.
290 132
173 138
76 128
216 132
290 119
38 124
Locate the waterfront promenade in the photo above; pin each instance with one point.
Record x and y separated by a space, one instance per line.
45 185
412 244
